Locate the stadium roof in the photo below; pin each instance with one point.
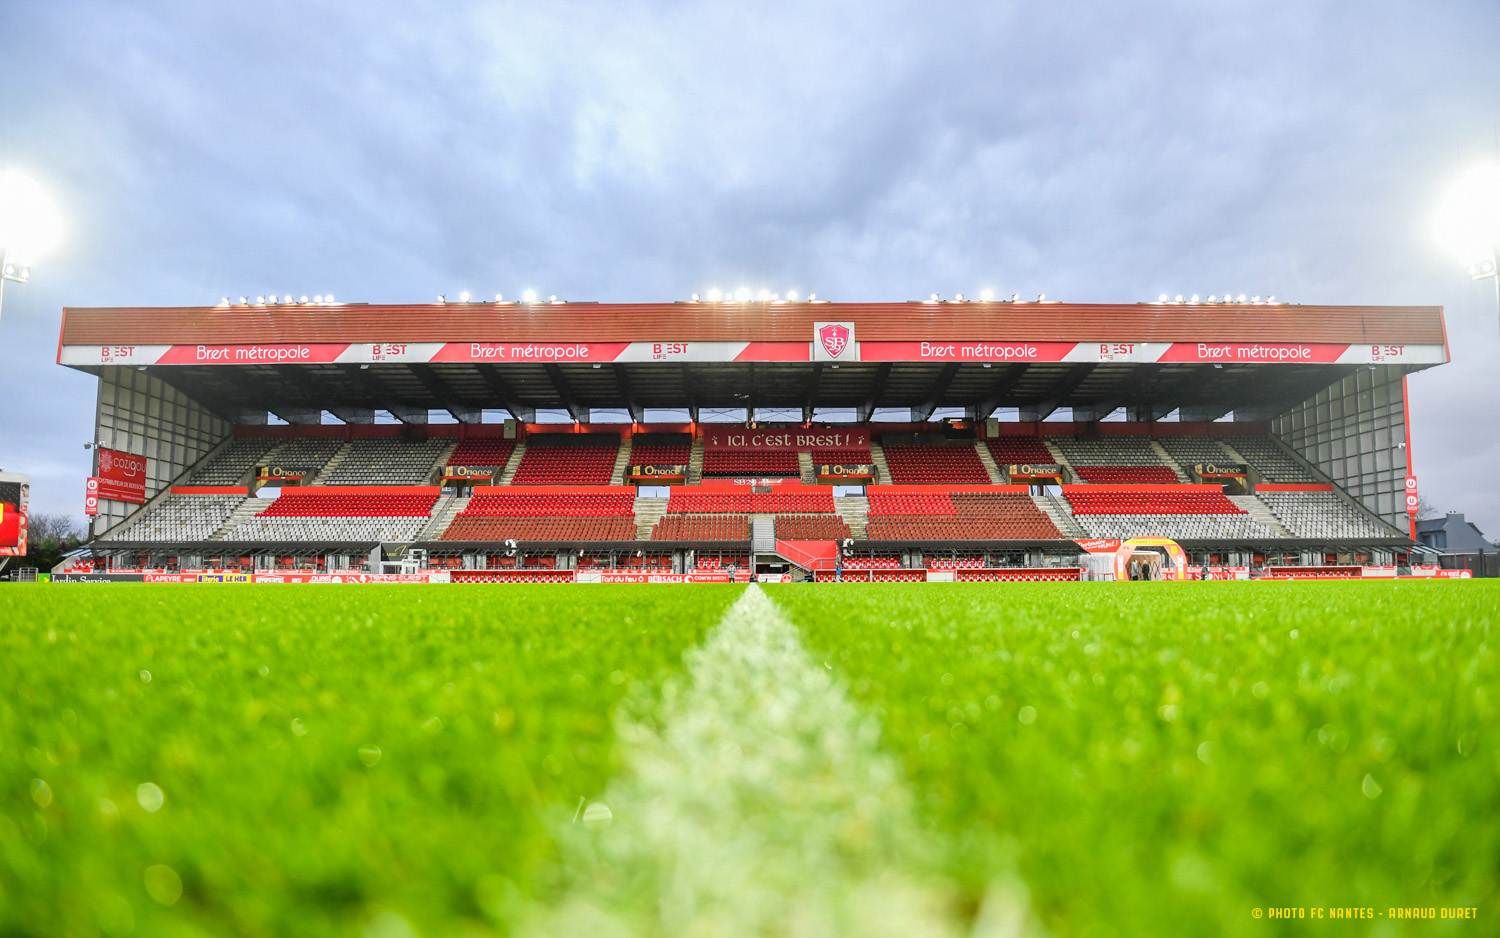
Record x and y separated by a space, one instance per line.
1256 359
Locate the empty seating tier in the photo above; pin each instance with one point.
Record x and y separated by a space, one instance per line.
1185 502
661 449
1127 475
896 516
181 518
523 504
388 461
702 528
1270 460
847 455
1184 527
935 465
1193 450
1322 514
568 459
490 452
467 527
751 463
1019 450
1109 451
811 528
734 501
319 503
234 463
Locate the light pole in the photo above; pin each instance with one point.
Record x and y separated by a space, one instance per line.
1489 270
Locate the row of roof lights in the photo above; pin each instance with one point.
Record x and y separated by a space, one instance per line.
1212 298
528 297
744 295
986 296
288 300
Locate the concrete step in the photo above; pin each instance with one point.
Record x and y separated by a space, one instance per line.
1171 463
622 459
1056 508
855 510
248 509
763 535
339 456
648 511
990 466
806 468
513 463
443 513
695 462
1260 511
882 468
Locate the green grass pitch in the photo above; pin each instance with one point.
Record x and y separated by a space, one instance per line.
1152 759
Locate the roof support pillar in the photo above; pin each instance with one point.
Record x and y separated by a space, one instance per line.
867 410
1093 413
502 392
1041 410
467 414
1148 413
627 394
923 411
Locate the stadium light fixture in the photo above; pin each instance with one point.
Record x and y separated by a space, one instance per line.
694 298
328 298
29 226
812 298
1015 297
1194 299
742 294
1162 298
529 296
464 297
715 295
1469 222
958 298
499 298
986 296
791 296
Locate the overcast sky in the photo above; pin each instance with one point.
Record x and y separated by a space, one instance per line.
619 150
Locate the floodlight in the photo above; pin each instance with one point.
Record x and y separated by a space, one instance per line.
224 301
1179 298
1212 298
742 294
715 295
260 301
986 296
499 298
958 298
242 301
287 299
1468 220
528 297
552 298
1041 297
1255 299
694 297
791 296
1241 298
1016 297
442 298
1194 299
764 295
318 299
1162 298
29 224
328 298
463 297
303 301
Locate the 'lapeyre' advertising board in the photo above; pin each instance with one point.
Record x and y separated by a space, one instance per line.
830 341
122 476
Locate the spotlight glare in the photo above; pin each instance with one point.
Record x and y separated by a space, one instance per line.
986 296
528 296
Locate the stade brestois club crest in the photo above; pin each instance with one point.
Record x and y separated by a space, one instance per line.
834 341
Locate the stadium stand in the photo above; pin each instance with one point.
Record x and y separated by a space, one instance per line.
310 453
181 518
935 465
387 462
318 514
1270 460
234 463
768 464
1126 475
661 449
898 516
811 528
524 515
702 528
1019 450
568 459
1186 514
492 451
1190 451
1109 451
688 500
849 455
1322 514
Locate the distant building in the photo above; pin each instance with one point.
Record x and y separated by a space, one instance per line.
1453 535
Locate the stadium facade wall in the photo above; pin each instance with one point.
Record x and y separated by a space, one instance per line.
1355 432
137 413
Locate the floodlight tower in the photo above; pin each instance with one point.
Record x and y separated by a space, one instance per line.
28 226
1470 222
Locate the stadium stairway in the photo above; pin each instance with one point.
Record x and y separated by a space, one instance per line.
988 460
1055 507
1258 510
447 507
1058 457
1168 461
882 468
622 460
247 510
763 534
808 470
695 462
648 511
855 510
509 474
339 456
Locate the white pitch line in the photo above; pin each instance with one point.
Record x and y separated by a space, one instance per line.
759 804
